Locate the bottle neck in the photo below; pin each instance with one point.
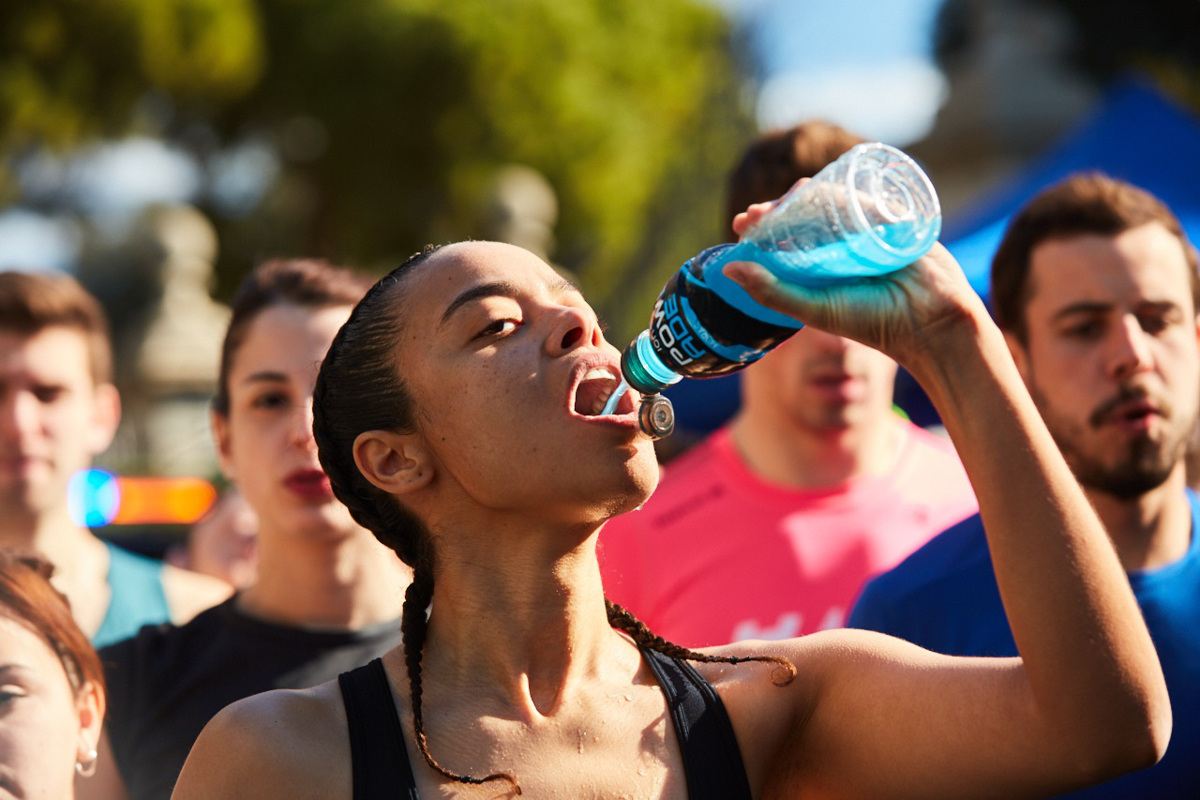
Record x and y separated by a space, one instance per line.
643 369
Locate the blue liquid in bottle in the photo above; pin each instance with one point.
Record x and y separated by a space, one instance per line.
874 213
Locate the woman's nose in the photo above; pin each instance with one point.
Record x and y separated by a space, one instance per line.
302 422
574 328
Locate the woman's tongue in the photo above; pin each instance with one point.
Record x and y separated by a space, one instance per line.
591 396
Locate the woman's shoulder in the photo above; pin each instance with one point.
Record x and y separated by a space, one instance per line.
280 743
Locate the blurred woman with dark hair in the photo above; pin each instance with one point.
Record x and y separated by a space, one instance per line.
51 686
324 598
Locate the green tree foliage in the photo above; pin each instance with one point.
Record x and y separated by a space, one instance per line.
75 69
391 116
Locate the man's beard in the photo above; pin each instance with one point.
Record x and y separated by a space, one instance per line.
1145 465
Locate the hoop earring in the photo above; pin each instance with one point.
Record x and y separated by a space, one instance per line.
86 767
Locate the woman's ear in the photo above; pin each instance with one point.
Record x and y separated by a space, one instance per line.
89 703
397 463
219 424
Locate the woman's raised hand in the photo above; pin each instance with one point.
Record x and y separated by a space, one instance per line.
903 313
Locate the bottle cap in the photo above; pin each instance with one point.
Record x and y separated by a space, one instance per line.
656 416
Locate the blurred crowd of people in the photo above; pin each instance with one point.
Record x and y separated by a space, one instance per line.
428 467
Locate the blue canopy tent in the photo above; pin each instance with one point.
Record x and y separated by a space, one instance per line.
1135 133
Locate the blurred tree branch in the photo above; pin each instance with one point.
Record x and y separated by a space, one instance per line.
388 118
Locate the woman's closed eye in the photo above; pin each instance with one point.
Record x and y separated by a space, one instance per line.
8 694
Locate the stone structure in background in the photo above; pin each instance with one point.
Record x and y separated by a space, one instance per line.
1012 94
175 347
521 208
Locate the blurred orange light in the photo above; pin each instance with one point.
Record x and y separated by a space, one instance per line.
163 500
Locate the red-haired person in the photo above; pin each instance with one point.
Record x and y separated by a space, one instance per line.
51 686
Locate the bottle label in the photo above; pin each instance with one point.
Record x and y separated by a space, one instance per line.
673 338
697 333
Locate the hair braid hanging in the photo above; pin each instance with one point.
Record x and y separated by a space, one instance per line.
623 620
414 626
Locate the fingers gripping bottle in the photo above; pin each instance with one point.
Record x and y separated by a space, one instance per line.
870 212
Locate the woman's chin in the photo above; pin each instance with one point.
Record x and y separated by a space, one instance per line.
643 482
329 522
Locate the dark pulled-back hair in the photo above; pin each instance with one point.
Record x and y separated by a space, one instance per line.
31 302
779 158
1081 204
303 282
361 388
28 598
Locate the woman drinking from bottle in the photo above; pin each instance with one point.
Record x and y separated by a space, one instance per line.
458 417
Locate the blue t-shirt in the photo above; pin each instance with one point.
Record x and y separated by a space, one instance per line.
137 596
944 597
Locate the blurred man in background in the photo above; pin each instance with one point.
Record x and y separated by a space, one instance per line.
58 410
770 526
1095 287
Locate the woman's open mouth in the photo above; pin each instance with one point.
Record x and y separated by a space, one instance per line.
593 391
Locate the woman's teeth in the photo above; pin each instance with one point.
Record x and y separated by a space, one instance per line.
591 399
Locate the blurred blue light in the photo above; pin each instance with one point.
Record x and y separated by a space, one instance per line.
93 497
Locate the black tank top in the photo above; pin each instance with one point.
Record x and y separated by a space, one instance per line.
711 759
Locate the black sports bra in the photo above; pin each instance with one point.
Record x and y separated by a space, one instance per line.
379 755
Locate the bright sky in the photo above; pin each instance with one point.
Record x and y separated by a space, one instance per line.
865 64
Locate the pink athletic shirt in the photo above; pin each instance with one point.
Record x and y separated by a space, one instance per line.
718 555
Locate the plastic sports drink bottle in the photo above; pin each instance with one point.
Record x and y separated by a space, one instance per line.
870 212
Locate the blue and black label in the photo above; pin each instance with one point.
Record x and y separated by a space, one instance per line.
698 334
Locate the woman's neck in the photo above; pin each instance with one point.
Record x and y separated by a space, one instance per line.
345 583
524 622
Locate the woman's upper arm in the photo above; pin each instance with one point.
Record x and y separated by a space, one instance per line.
874 716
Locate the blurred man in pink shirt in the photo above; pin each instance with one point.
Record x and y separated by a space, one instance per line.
769 527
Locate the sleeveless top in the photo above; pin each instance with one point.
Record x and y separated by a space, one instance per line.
711 758
136 596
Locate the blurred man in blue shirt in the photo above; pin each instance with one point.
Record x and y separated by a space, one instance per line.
1096 289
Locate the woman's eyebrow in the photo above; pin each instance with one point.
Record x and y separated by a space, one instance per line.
265 375
564 284
498 288
14 666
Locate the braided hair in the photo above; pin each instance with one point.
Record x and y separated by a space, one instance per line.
358 389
